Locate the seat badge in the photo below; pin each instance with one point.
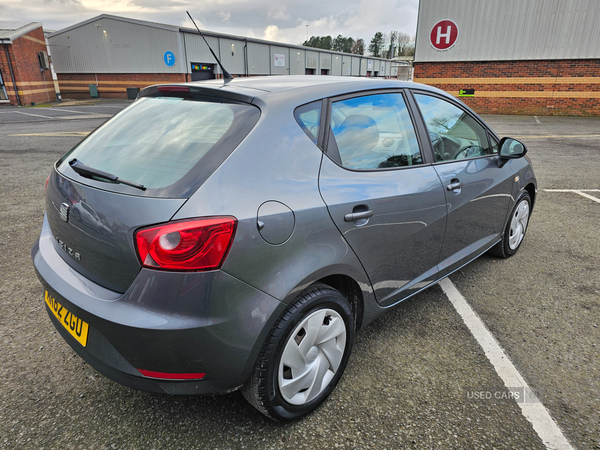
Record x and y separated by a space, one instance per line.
64 211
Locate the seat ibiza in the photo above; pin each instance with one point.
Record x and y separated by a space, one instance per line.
239 234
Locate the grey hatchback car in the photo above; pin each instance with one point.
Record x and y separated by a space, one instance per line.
244 231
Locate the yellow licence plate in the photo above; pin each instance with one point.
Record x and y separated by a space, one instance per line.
73 324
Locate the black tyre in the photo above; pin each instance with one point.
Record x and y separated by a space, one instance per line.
515 228
303 356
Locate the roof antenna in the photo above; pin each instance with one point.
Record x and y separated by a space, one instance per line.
226 75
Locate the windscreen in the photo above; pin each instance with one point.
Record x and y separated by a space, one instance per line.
160 142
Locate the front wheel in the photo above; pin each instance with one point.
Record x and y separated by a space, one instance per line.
515 228
303 357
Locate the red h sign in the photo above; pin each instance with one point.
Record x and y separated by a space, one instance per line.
443 35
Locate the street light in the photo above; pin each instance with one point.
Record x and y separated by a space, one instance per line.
307 32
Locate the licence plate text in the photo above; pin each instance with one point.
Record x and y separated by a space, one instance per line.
73 324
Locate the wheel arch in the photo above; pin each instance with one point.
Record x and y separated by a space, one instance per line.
353 284
351 291
530 188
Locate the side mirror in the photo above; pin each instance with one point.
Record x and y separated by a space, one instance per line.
511 148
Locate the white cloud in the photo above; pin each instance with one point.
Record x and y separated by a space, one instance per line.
383 14
278 12
271 33
284 21
225 16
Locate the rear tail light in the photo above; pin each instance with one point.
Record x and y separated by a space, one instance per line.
191 245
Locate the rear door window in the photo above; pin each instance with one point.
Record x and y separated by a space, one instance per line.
373 132
164 143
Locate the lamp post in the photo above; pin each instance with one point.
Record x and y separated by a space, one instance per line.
307 32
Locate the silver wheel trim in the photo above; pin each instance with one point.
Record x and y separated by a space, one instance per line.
311 356
518 225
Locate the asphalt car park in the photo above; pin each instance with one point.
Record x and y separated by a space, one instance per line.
406 381
75 111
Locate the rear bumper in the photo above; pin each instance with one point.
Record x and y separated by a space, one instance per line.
207 322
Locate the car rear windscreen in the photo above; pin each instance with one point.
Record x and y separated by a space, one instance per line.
168 145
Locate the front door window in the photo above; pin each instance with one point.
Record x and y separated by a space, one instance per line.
454 133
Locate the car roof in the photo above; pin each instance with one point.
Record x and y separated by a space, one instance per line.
289 89
302 86
276 83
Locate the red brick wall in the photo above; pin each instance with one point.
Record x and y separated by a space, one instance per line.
557 87
31 85
111 85
6 72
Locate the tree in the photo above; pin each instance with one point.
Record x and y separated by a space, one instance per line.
398 44
358 47
393 38
342 44
405 42
323 42
377 44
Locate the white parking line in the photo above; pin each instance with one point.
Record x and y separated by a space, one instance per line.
87 116
534 412
581 192
35 115
70 110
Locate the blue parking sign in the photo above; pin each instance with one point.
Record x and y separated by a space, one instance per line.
169 58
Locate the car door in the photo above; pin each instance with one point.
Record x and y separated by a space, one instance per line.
477 186
382 193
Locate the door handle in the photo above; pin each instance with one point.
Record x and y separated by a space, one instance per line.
353 217
454 186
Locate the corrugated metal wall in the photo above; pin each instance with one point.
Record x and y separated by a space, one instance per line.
512 29
126 47
312 60
355 66
325 62
336 65
363 67
198 52
110 44
258 59
297 62
402 72
346 65
231 55
280 60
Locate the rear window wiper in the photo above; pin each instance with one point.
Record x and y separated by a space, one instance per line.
90 172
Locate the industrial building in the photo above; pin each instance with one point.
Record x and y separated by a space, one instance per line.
516 56
25 77
113 54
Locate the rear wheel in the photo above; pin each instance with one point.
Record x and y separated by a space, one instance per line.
303 357
515 228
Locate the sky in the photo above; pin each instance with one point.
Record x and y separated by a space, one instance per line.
283 21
